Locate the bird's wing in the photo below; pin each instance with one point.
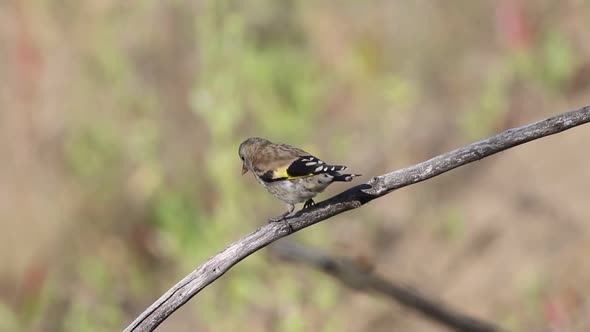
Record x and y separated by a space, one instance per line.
310 165
289 163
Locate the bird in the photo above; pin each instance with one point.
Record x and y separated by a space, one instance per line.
289 173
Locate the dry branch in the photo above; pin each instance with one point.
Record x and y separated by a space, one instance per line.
356 275
350 199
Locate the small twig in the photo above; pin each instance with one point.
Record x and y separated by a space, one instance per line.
358 276
353 198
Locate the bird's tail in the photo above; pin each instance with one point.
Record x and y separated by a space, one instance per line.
343 177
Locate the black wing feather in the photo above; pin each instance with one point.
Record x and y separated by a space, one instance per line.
310 165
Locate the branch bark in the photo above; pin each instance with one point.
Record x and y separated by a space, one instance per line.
350 199
361 277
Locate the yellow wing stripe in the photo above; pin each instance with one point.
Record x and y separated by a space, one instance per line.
281 173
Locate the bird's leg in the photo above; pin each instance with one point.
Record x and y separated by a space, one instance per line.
308 203
279 218
290 209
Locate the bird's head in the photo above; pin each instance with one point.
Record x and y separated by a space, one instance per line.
248 150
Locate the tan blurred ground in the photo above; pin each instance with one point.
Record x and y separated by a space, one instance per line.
119 125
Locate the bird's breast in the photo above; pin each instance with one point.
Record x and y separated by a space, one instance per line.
299 190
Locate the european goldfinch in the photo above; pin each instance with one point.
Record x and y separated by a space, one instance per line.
290 174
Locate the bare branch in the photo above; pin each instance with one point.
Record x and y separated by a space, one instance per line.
359 276
350 199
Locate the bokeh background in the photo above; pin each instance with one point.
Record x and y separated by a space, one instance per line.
119 174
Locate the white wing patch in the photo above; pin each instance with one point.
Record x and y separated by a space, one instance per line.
312 161
328 168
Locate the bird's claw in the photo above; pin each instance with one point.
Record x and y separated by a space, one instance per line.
280 217
308 203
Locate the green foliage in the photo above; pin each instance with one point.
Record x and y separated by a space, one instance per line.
552 64
177 215
511 322
94 151
453 226
558 60
326 293
8 319
277 87
96 274
492 106
83 316
533 286
293 322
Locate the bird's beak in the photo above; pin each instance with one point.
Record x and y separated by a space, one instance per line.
244 169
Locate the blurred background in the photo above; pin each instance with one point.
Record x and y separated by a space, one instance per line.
120 123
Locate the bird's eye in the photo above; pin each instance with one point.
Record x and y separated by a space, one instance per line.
242 157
